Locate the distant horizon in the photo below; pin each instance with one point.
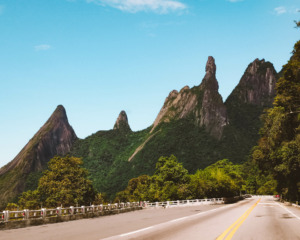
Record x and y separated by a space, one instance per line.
99 57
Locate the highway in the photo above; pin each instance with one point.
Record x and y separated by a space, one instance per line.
254 218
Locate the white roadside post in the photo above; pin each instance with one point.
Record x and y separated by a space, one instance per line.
58 211
72 210
26 214
44 212
6 216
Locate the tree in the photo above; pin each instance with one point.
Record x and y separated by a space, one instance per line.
170 182
65 183
222 179
30 200
278 151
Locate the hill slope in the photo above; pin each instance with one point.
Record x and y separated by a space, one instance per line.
194 124
55 137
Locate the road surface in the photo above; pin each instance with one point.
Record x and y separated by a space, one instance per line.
255 218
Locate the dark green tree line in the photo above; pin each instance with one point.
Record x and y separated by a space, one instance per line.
171 181
278 152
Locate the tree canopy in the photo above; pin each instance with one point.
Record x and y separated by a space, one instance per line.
278 150
64 183
171 181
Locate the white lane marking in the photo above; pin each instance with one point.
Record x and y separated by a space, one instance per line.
267 203
178 219
166 223
130 233
289 211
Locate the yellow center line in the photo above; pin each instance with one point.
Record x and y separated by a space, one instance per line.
236 224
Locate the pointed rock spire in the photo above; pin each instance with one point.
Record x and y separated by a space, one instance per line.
210 81
55 137
122 122
210 65
59 114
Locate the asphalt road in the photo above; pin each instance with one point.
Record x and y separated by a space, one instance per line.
253 218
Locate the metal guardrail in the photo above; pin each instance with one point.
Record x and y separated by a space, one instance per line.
26 214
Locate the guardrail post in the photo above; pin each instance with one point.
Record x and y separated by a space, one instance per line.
83 209
6 216
101 208
26 214
58 211
188 202
72 210
168 204
93 208
44 212
156 204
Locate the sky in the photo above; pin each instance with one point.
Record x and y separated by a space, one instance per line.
98 57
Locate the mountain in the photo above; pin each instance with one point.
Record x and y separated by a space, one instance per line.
196 103
194 124
122 122
55 137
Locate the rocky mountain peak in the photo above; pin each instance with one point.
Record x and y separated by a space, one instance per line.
211 66
257 85
212 114
210 81
203 103
55 137
122 122
59 114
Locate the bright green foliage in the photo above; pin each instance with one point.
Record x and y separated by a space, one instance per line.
278 152
100 198
168 169
64 184
222 179
30 200
12 207
171 181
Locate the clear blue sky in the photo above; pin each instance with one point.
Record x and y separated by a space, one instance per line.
98 57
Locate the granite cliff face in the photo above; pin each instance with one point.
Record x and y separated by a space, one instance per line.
202 103
213 114
122 122
55 137
257 85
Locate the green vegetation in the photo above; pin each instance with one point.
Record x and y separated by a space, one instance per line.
277 155
64 184
171 181
106 153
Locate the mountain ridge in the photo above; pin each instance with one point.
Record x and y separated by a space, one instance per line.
194 124
55 137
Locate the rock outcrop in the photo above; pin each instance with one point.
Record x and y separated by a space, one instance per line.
55 137
212 114
203 104
257 85
122 122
